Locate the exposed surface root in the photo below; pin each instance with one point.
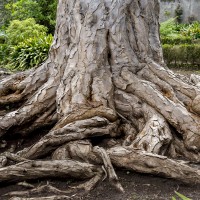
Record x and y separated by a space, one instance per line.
89 185
10 84
141 138
177 115
57 197
39 103
28 170
13 157
21 86
37 191
177 150
48 118
170 78
144 162
132 159
73 131
109 168
3 161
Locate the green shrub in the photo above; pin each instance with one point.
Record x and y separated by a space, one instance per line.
180 55
168 28
4 52
29 53
26 46
48 17
19 31
193 30
3 37
168 53
174 33
170 33
176 40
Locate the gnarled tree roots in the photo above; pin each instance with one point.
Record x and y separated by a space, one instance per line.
86 143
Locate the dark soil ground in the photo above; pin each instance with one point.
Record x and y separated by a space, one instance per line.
137 186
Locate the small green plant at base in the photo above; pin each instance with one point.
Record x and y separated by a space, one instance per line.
181 196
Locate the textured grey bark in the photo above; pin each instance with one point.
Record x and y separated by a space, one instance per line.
104 76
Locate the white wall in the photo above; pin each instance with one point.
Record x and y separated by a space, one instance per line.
190 8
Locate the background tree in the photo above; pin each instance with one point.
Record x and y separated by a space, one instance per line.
107 98
26 16
5 15
48 16
44 12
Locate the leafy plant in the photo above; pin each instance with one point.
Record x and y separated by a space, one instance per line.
168 27
26 45
177 34
5 15
193 30
29 53
181 196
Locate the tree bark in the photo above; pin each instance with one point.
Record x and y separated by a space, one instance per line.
104 81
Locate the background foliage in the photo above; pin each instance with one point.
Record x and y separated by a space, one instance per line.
29 53
26 32
19 31
27 26
181 43
43 11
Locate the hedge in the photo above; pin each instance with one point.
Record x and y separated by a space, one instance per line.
176 40
182 55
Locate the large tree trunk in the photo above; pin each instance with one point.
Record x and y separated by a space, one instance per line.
104 76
